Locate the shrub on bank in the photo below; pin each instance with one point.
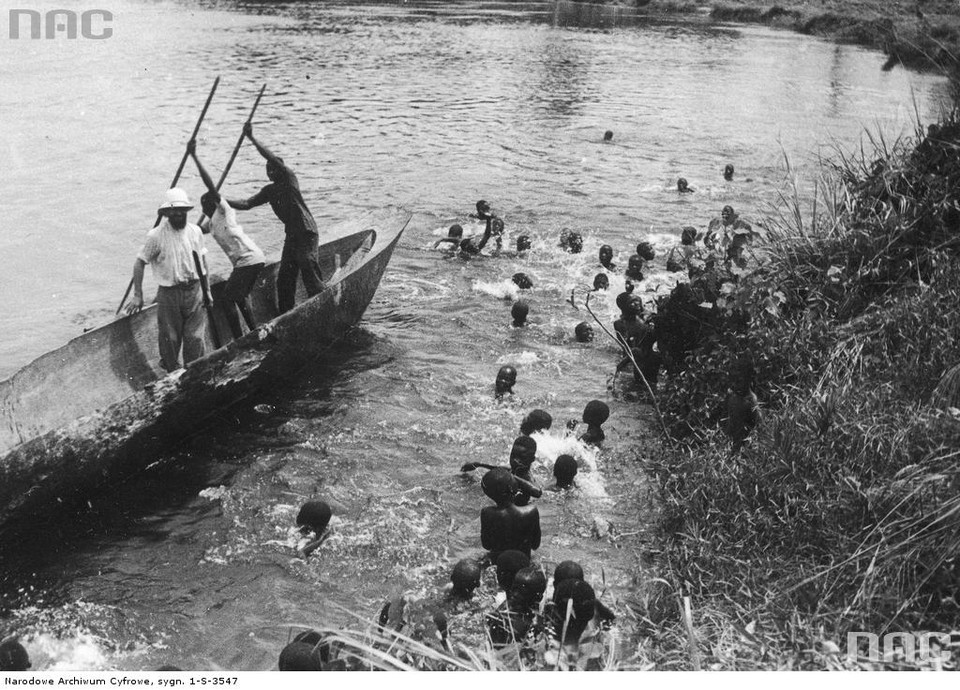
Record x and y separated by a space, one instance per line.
843 511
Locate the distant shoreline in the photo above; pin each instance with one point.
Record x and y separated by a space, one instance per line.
920 35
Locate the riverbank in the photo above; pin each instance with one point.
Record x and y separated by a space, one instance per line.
922 35
840 515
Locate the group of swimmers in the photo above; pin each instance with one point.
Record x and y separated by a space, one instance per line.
683 187
493 229
707 257
531 606
510 528
509 533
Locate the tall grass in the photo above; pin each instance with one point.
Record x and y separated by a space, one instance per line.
419 645
843 512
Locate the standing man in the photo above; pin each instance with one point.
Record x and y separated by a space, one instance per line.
244 254
169 251
300 247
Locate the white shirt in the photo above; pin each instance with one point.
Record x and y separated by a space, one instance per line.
234 242
170 253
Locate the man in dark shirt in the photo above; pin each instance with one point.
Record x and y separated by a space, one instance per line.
300 247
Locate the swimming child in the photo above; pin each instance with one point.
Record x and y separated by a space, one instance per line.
635 267
454 236
506 378
564 470
623 299
509 563
522 456
494 229
522 281
13 657
630 327
648 361
529 584
537 420
606 257
468 248
465 578
300 656
314 516
519 312
574 606
571 242
494 226
567 570
483 210
505 526
645 251
523 453
583 332
571 570
594 415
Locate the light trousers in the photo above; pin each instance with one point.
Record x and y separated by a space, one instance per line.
181 323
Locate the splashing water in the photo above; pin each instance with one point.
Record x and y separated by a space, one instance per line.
504 289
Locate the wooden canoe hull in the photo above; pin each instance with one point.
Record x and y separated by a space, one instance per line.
100 406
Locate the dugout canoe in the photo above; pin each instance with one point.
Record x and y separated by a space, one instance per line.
101 406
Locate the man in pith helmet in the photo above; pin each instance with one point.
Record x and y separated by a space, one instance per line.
169 250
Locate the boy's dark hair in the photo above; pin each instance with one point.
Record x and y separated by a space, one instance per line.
210 199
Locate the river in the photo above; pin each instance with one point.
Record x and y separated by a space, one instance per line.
427 105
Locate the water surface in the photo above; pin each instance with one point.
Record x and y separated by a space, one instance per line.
428 105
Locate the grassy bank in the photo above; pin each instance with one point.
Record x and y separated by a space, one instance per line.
842 512
923 34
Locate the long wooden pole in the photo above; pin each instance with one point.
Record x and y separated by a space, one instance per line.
196 129
176 177
207 302
236 148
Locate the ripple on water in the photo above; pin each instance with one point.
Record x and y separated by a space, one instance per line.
519 359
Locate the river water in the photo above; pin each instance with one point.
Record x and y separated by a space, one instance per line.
428 105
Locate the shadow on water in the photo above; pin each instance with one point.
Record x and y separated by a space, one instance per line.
143 506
